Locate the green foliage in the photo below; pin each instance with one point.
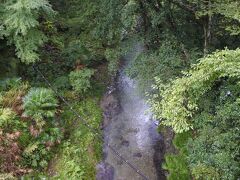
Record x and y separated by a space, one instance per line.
80 80
177 164
165 63
37 153
114 54
40 145
129 16
12 98
177 167
210 151
78 159
202 171
206 99
180 140
9 122
10 83
85 33
7 176
109 26
21 26
39 104
6 118
216 146
226 8
179 102
29 141
61 83
77 52
113 57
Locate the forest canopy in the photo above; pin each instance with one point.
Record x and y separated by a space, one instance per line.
189 69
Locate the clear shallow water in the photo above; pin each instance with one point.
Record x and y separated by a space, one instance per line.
133 132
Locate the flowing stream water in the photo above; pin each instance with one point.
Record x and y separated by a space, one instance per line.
132 132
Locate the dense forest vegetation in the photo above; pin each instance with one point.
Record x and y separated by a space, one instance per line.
189 71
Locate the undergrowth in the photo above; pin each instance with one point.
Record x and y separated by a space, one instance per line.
176 164
83 150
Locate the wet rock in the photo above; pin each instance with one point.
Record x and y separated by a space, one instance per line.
111 107
133 130
138 155
104 172
125 143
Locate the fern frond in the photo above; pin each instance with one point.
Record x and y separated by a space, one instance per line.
31 148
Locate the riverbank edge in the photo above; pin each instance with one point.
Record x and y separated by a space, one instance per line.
110 106
56 165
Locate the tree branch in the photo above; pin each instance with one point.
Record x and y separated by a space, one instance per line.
184 6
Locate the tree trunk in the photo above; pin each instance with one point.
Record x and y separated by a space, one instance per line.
145 24
207 27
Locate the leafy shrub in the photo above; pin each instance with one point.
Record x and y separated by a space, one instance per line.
202 171
206 100
12 132
9 122
72 168
180 140
62 83
7 176
38 152
36 156
75 51
177 164
128 18
177 167
113 57
165 63
80 80
78 158
10 83
71 95
40 103
13 97
180 102
6 115
214 152
25 34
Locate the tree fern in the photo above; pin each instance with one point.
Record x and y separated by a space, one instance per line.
40 103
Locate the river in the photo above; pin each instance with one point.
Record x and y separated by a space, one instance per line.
132 132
